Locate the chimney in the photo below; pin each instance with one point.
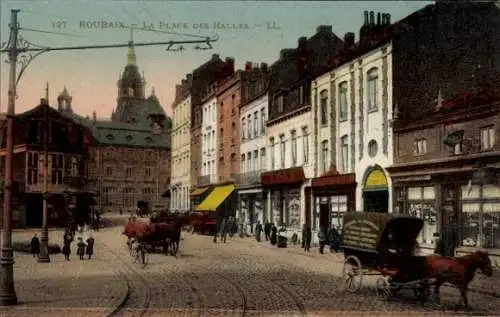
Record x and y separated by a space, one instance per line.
349 40
379 20
215 56
324 29
388 19
230 63
372 18
367 21
263 67
248 66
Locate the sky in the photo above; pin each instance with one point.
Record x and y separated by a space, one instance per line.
248 31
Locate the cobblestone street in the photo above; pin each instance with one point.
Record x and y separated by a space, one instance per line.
239 278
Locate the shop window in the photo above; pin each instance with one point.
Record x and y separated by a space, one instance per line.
487 138
422 204
338 206
419 147
481 216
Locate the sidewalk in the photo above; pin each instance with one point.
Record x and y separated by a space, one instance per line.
78 288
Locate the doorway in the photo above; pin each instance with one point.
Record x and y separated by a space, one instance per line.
308 194
34 210
376 201
324 215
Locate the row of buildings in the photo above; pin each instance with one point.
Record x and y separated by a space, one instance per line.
404 120
92 164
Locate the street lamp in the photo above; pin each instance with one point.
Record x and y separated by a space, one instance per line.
44 236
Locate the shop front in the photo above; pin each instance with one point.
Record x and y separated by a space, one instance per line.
333 195
221 202
251 208
375 190
460 201
286 198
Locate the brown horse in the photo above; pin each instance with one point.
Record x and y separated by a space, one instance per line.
459 271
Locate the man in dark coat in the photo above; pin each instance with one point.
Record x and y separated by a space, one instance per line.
267 230
334 239
90 247
80 248
322 239
258 231
307 239
35 246
274 235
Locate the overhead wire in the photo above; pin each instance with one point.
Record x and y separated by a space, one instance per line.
50 32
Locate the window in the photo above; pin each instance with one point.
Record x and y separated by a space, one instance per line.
128 197
481 216
279 103
323 101
108 171
129 171
338 206
32 168
243 161
249 125
343 101
74 166
256 123
107 196
372 148
263 121
282 151
57 168
263 158
344 154
487 138
271 152
324 156
372 93
419 147
422 204
294 147
305 144
255 160
249 161
243 127
148 194
147 172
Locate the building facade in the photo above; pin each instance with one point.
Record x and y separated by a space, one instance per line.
290 128
181 152
253 147
130 161
209 141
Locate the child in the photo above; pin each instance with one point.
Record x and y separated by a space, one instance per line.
80 250
90 246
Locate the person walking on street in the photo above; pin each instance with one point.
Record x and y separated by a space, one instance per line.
258 231
90 246
267 230
35 246
223 230
334 239
230 227
322 239
307 239
274 235
66 249
80 248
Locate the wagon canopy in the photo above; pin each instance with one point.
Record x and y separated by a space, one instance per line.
364 231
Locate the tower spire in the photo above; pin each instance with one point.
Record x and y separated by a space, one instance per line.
47 92
131 58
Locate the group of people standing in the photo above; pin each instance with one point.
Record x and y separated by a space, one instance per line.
84 244
225 227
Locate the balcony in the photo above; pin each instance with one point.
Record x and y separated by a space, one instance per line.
204 180
76 182
248 178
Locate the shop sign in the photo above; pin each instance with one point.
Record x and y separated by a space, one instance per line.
285 176
376 178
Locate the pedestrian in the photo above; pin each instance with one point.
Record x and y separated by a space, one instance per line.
223 230
80 248
334 239
90 246
307 239
258 231
229 227
322 239
35 246
66 250
267 230
273 239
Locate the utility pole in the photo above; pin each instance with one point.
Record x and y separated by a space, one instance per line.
44 236
7 291
15 47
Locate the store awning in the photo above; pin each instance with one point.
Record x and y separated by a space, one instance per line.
198 191
215 198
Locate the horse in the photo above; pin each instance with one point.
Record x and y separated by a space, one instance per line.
458 271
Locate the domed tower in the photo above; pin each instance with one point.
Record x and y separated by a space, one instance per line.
154 112
64 101
130 90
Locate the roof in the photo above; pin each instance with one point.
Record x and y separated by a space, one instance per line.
120 133
153 106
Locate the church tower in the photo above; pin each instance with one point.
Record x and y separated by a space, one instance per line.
64 102
131 95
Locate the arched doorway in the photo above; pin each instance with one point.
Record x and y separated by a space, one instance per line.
375 191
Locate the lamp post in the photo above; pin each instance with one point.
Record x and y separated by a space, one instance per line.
7 290
44 236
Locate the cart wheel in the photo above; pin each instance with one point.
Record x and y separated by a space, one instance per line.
352 273
384 288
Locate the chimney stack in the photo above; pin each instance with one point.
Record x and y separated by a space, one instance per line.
367 21
372 18
349 40
263 67
388 18
43 102
379 19
248 66
230 63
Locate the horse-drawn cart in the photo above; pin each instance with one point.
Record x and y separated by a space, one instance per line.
383 244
